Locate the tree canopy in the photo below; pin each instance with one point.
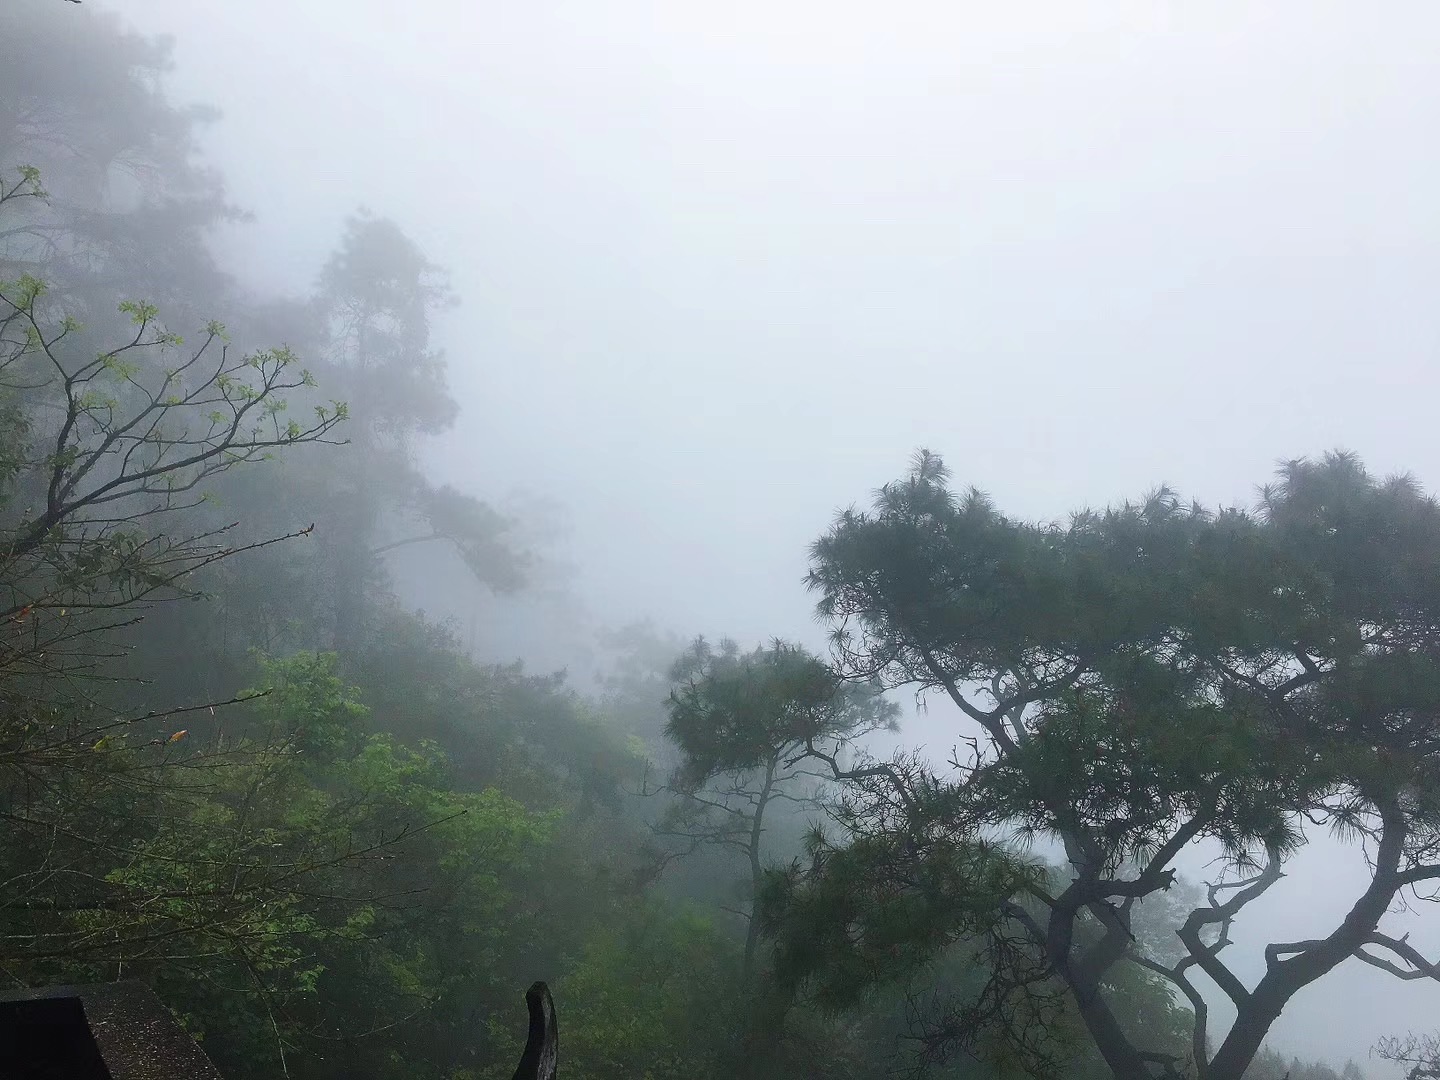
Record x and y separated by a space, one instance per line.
235 764
1144 679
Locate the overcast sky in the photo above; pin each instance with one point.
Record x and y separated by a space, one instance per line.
724 267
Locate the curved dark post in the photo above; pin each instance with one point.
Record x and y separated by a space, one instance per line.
542 1046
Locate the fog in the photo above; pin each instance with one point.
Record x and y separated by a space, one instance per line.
724 269
742 266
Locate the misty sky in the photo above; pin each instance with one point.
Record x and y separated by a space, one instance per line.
725 267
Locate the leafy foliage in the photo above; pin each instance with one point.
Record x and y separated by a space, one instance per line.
731 712
745 725
348 847
1143 679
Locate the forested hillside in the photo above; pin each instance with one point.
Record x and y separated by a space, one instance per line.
236 764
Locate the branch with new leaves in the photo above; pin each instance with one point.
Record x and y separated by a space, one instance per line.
103 446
